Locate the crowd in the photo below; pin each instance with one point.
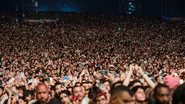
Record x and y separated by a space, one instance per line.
92 59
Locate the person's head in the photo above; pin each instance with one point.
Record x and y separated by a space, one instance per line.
42 93
98 96
64 97
28 95
139 93
101 99
14 89
77 92
118 83
58 88
149 70
107 85
162 94
159 79
52 91
134 83
21 90
178 95
120 95
69 89
86 87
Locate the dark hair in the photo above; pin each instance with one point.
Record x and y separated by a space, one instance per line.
134 89
103 81
133 82
115 84
1 87
178 95
57 83
120 88
93 91
160 85
27 93
84 83
52 88
65 92
21 88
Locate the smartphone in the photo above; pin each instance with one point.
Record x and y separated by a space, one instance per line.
103 72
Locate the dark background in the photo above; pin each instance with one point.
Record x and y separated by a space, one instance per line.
172 8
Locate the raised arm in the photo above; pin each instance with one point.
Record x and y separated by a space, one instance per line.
128 76
146 78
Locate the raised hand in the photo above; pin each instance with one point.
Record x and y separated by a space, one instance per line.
140 70
131 67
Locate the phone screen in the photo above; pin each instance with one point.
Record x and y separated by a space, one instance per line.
103 72
66 78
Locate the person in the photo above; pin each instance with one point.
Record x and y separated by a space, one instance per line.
58 89
42 95
98 96
65 97
178 95
107 85
120 95
101 98
161 94
28 95
139 95
78 94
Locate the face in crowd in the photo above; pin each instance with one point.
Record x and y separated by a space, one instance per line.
65 97
58 88
101 100
121 95
139 94
42 93
162 94
78 93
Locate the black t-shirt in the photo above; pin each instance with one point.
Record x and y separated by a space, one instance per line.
53 101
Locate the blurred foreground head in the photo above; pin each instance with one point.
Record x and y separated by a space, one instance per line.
120 95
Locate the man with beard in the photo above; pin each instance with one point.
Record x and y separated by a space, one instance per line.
42 95
162 94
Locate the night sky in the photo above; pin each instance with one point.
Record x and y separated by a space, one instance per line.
143 7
